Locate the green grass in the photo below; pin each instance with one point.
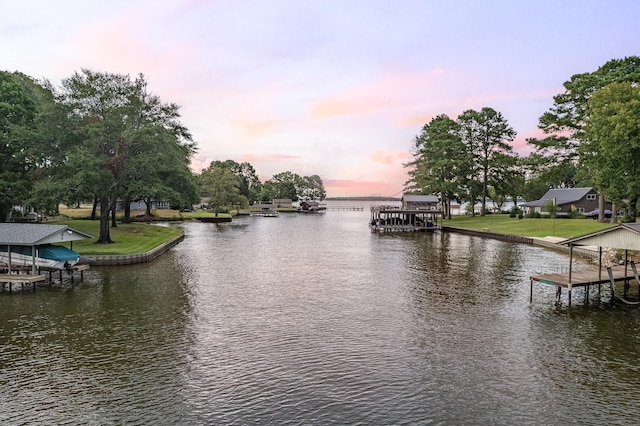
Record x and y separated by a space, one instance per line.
202 213
129 238
543 227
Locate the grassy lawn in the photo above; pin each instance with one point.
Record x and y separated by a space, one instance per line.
503 224
84 212
130 238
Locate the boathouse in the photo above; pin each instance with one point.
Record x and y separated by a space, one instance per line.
31 235
417 213
276 203
622 237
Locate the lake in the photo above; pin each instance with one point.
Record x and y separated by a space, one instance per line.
314 319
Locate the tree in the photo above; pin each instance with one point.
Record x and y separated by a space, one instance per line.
487 136
611 141
507 180
285 185
250 185
21 102
127 140
557 153
311 188
222 186
440 156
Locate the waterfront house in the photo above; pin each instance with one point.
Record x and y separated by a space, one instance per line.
567 200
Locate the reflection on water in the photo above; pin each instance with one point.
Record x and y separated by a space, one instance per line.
313 319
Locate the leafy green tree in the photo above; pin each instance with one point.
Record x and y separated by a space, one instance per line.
285 185
557 153
311 188
507 180
268 191
17 115
222 186
611 141
487 135
250 185
440 157
128 141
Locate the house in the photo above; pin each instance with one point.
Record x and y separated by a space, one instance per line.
283 203
567 200
141 205
420 202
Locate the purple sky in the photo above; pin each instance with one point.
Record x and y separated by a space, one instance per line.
333 88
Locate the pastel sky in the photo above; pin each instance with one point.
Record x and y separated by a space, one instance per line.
337 88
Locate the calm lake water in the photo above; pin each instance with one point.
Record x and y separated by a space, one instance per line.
313 319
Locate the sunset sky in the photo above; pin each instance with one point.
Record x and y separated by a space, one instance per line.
337 88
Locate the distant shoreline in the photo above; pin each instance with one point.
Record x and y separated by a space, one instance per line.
362 199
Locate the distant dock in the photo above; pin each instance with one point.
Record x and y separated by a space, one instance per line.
350 208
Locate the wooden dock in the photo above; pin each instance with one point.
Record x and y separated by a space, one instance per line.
21 279
26 277
584 278
347 208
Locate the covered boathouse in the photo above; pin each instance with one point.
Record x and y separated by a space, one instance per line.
31 236
625 237
417 213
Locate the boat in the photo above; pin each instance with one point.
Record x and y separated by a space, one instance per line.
47 256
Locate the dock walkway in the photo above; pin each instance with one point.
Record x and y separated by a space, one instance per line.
583 278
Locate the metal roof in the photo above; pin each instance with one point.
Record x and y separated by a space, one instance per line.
421 198
561 195
625 236
33 234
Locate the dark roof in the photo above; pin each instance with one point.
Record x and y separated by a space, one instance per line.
420 198
562 196
32 234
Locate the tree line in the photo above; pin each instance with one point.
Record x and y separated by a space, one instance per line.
591 138
105 138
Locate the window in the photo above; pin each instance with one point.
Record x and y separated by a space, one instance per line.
580 209
591 197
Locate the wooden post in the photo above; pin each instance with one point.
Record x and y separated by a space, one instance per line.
531 291
570 263
586 296
626 281
599 272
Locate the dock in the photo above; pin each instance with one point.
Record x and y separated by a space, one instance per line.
346 208
398 219
24 275
585 278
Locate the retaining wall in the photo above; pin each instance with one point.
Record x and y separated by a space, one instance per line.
587 253
130 259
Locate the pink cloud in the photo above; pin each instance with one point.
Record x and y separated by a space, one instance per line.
385 157
361 188
415 120
268 157
388 92
256 129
